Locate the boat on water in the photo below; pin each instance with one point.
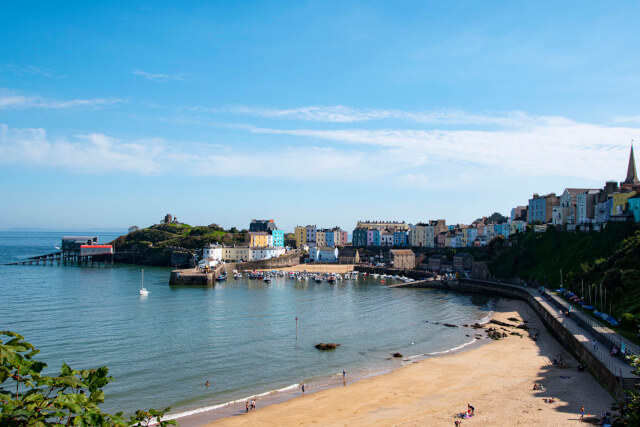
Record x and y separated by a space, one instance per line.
332 280
319 279
222 277
143 290
267 279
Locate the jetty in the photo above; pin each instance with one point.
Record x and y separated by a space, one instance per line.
75 250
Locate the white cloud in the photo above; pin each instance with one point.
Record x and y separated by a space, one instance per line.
94 153
343 114
161 77
10 100
553 147
100 154
27 70
410 158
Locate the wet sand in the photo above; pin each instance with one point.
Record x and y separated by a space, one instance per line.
496 378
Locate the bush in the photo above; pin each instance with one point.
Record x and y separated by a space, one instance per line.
28 398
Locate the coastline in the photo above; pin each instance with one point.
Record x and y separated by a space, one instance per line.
200 416
494 376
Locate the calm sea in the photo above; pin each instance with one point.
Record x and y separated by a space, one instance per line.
239 335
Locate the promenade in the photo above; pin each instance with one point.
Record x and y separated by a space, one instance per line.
588 331
595 338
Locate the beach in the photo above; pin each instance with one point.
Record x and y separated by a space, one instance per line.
497 378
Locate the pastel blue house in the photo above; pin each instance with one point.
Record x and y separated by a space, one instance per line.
329 237
376 238
278 238
502 229
399 238
472 234
634 207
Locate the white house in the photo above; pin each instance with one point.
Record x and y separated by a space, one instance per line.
258 254
324 254
211 256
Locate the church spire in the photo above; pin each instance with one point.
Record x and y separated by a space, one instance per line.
632 176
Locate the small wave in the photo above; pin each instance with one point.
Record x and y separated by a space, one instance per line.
435 353
453 349
232 402
486 318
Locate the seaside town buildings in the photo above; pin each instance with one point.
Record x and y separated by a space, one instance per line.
575 209
311 236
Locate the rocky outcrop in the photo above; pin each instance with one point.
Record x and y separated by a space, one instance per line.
327 346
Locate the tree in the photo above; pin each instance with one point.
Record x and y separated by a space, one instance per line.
28 398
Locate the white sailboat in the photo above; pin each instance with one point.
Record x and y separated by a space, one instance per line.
143 291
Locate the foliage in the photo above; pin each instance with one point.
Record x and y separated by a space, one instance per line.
609 258
29 398
497 218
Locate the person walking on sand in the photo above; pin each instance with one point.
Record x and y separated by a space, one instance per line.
253 404
247 405
582 412
303 389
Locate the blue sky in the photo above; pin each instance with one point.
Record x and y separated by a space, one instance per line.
308 112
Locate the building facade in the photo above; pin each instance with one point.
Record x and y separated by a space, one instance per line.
540 209
403 259
323 254
300 234
360 237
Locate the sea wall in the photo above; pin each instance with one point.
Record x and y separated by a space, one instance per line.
192 277
283 261
609 380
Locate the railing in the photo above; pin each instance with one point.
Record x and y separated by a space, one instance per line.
592 326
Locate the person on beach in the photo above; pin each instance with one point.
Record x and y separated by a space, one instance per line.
344 374
253 404
247 406
470 410
303 388
582 412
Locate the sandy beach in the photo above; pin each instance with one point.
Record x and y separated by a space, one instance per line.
496 378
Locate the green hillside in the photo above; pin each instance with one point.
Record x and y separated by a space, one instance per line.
610 258
158 244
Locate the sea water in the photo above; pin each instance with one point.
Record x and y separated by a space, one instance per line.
240 335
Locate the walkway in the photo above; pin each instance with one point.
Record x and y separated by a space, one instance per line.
575 324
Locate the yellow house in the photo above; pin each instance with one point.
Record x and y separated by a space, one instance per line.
620 201
321 239
259 239
301 236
